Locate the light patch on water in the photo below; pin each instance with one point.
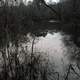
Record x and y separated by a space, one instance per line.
54 46
53 21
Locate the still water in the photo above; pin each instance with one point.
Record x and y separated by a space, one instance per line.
57 46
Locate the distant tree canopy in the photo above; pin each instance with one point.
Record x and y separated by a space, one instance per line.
16 18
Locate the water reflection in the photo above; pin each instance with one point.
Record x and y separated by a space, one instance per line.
53 45
58 48
50 53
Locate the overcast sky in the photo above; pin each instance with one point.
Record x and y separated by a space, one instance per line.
52 1
47 1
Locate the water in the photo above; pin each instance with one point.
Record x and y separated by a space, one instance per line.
54 46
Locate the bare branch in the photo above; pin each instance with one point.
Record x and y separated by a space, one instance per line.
68 72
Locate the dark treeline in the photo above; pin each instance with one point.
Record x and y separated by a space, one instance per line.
20 19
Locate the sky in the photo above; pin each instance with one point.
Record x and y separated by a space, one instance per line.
47 1
52 1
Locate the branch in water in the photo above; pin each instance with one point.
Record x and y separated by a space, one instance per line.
74 71
68 72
